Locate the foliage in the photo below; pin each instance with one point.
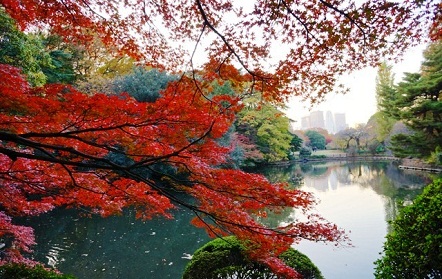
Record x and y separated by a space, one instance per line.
23 51
436 156
56 141
268 129
385 88
317 141
143 85
413 249
61 70
317 41
418 104
375 147
295 145
380 128
385 96
226 258
20 271
305 152
73 134
250 155
358 135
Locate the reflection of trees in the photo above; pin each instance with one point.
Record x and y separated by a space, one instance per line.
387 180
384 178
290 174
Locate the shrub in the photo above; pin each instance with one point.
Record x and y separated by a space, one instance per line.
21 271
305 152
225 258
413 248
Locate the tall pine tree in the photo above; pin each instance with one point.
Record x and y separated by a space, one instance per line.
418 103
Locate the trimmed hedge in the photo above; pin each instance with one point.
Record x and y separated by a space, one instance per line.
225 258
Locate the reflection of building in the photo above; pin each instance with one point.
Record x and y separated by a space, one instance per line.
333 181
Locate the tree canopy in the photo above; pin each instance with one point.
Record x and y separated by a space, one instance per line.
267 128
317 141
58 145
143 85
285 47
226 258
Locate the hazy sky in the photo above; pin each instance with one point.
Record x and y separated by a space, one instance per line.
360 103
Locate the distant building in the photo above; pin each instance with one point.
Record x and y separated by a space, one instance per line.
305 123
330 122
333 123
340 122
317 119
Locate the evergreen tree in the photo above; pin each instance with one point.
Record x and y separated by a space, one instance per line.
418 103
144 85
385 96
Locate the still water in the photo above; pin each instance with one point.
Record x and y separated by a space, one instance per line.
358 197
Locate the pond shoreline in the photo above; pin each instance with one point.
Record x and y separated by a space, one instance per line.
337 157
403 163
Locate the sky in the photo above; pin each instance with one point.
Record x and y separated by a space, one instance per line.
360 103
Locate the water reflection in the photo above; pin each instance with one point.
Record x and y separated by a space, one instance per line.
116 247
359 197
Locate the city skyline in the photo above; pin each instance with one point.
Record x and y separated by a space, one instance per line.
333 122
360 103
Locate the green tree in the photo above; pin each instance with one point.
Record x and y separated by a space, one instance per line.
268 128
295 143
23 51
385 96
419 105
61 69
317 141
144 85
413 249
225 258
385 92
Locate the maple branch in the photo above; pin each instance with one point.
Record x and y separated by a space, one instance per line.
177 152
225 41
92 10
69 11
304 25
346 15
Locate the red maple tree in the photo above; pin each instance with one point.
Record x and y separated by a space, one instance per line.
58 146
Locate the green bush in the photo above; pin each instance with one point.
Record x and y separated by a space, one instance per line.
318 157
21 271
413 249
305 152
225 258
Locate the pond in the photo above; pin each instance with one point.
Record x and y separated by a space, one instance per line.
358 197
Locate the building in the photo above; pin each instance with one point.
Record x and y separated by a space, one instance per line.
330 122
317 119
340 122
305 123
